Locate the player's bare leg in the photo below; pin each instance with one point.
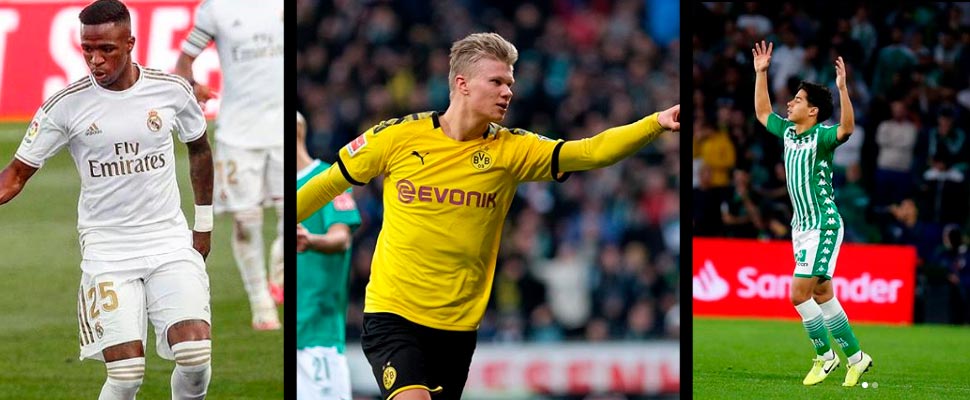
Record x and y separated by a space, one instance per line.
803 291
413 394
247 247
125 363
192 345
276 256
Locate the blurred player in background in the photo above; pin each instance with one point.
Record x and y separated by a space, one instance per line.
249 152
451 181
323 264
816 224
140 262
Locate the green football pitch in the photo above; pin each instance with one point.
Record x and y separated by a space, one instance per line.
754 359
39 263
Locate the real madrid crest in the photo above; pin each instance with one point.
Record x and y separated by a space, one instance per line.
481 160
154 121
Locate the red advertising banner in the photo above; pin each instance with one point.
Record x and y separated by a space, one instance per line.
750 278
40 50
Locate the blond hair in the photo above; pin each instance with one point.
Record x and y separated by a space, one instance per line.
466 52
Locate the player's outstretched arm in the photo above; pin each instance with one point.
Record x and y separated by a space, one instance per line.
847 122
200 173
617 143
320 190
13 178
336 240
762 58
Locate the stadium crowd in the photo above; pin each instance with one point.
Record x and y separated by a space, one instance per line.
902 176
594 258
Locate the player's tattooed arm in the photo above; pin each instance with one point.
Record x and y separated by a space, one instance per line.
13 178
200 172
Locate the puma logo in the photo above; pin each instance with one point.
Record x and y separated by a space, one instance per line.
416 154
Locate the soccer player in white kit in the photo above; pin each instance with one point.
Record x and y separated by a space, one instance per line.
249 136
140 262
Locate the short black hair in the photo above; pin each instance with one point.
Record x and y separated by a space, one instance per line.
818 96
105 11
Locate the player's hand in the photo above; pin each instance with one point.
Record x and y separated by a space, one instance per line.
201 242
302 238
840 73
762 56
203 93
670 118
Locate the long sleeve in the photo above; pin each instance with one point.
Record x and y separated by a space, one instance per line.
319 191
609 146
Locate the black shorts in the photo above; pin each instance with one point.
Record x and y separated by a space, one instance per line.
405 355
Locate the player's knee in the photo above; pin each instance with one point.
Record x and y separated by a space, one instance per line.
188 330
125 376
246 223
799 296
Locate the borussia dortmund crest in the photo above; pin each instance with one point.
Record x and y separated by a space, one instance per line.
481 160
390 375
154 121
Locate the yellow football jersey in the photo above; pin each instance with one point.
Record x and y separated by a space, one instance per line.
445 202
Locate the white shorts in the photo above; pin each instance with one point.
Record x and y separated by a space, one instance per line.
247 178
114 307
816 252
322 374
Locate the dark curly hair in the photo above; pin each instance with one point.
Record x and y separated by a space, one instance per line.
818 96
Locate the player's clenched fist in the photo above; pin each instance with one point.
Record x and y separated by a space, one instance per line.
762 56
302 238
670 118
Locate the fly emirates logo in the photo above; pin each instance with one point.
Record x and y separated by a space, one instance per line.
709 286
129 161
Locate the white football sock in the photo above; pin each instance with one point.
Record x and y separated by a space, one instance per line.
247 247
124 379
190 379
276 250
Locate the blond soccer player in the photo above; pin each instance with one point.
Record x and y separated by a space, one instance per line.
449 180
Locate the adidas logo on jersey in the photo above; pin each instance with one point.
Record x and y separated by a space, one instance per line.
92 130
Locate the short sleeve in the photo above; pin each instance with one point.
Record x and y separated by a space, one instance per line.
364 157
828 137
777 125
190 121
44 138
203 31
535 157
342 210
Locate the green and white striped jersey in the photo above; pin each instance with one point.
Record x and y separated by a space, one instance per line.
808 167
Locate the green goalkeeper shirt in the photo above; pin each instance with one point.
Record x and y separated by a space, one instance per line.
808 167
321 288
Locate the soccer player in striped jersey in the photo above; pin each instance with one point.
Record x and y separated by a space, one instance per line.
816 223
249 140
449 180
140 263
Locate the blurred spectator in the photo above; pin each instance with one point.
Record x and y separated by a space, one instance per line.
951 260
740 214
897 140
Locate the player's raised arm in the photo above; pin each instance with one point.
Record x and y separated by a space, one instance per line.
847 121
13 178
200 172
762 58
319 191
617 143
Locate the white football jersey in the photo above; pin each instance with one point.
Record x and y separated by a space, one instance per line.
249 40
121 142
